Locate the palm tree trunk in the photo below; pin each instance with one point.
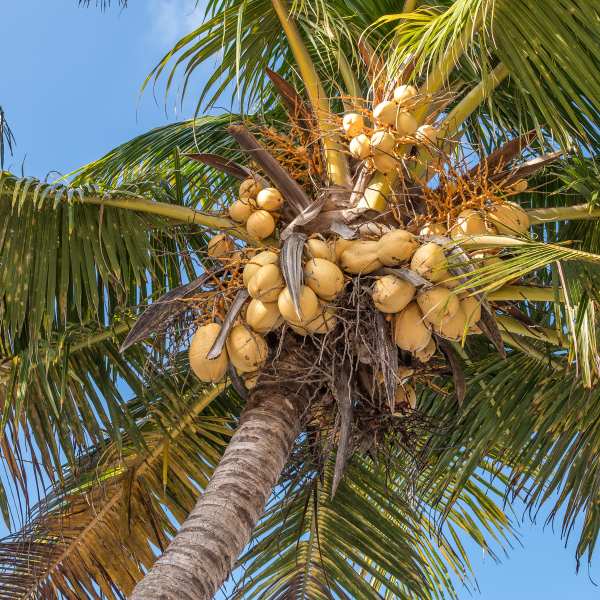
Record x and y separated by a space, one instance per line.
203 553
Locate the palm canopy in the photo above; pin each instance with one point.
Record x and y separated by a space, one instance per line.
128 228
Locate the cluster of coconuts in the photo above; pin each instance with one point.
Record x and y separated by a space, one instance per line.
394 123
257 208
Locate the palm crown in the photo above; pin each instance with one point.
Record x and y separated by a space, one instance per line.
381 485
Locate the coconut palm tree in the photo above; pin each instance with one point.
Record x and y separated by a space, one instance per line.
384 455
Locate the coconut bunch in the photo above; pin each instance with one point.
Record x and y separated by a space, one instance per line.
380 136
257 208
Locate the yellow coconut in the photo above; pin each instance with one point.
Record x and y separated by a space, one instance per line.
360 147
360 257
437 303
430 262
454 327
269 199
385 112
208 370
403 94
385 163
433 229
309 306
391 294
470 222
247 349
353 124
405 397
406 124
249 188
411 332
383 143
519 186
263 316
426 353
260 224
509 218
324 278
427 134
250 380
220 246
256 262
240 211
316 248
266 284
339 246
323 323
471 308
396 247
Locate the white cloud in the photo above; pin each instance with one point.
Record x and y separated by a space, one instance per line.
172 19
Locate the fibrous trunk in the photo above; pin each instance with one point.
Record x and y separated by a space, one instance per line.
202 555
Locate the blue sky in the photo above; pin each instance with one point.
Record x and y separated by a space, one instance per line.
70 86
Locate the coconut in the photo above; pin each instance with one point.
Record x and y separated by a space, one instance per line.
427 134
339 245
353 124
395 247
256 262
250 380
240 211
309 306
247 350
266 284
454 327
385 163
426 353
430 262
324 278
468 223
220 246
260 224
323 323
385 112
433 229
519 186
360 257
437 303
316 248
391 294
471 308
269 199
360 147
249 188
383 142
405 397
263 316
406 124
404 93
509 218
209 370
411 332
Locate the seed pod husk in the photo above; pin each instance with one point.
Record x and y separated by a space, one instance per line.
391 294
453 328
240 211
509 218
360 147
353 124
437 304
316 248
262 316
385 112
411 332
324 277
405 397
309 306
247 349
396 247
269 199
266 257
470 222
406 124
220 246
471 308
383 143
403 94
266 284
260 224
360 257
426 353
249 188
427 134
430 262
206 369
520 186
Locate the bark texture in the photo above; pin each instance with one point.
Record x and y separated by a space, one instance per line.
202 555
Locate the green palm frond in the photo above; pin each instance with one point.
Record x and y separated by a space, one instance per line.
102 527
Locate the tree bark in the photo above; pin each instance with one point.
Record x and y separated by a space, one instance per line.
203 553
